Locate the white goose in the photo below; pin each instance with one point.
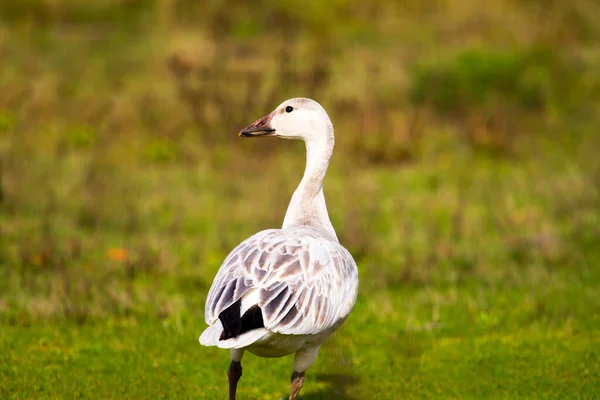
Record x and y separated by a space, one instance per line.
285 290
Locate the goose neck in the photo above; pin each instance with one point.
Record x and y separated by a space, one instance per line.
307 206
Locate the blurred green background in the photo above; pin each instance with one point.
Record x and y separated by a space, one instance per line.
465 182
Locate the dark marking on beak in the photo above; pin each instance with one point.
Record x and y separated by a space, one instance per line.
260 127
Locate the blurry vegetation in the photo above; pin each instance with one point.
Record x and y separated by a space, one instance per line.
466 178
121 138
490 92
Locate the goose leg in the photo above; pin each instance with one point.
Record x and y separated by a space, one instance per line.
234 372
302 361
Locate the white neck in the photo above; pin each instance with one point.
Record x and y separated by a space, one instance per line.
307 206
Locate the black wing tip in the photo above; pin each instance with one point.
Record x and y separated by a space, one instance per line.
230 319
234 326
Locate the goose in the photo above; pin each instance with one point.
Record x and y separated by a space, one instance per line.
284 291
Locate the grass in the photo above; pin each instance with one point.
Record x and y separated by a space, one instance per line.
471 210
452 348
458 327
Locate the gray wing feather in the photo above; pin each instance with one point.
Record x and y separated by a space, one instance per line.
307 282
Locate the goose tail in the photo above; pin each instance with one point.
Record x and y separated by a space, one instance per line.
211 337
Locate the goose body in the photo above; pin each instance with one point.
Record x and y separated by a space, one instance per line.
284 291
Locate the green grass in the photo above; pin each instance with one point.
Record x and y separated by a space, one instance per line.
453 347
465 182
437 317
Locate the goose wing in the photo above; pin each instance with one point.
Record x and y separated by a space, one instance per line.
303 282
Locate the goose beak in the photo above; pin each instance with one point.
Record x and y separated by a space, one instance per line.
260 127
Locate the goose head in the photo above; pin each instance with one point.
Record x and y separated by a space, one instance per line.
298 118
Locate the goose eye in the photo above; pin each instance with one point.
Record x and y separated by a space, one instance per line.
289 109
